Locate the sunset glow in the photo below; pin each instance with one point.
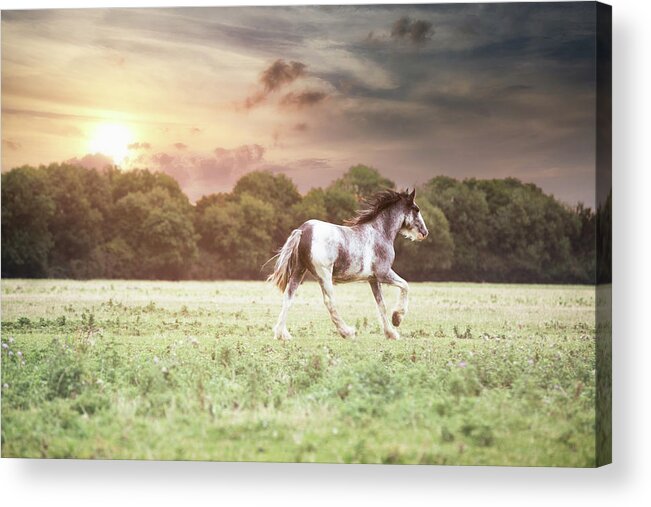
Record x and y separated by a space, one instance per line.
468 91
112 140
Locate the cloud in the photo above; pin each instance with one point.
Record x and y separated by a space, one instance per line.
244 155
163 159
312 164
417 32
139 146
507 89
201 174
180 146
255 99
303 99
300 127
11 145
274 77
91 161
280 73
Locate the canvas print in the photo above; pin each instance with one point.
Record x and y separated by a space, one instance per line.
335 234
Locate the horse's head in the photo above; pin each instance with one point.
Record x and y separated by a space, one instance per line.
413 225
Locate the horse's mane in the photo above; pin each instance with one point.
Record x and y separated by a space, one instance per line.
374 205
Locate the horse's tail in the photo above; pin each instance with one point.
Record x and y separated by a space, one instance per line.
286 261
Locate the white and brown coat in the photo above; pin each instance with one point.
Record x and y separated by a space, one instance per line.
361 250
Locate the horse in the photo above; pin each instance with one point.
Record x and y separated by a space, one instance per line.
360 250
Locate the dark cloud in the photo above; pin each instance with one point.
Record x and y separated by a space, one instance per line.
417 32
180 146
421 31
11 145
91 161
400 28
281 73
303 99
274 77
139 146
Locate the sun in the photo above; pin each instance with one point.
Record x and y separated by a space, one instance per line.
112 140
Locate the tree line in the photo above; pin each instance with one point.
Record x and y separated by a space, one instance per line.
65 221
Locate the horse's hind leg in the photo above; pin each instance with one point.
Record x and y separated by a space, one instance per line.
325 281
280 329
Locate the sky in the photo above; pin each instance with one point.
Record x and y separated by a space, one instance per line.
209 94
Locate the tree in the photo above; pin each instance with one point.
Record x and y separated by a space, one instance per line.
363 181
240 234
64 220
529 233
279 192
275 189
26 212
604 240
158 230
76 225
467 213
340 204
312 206
142 180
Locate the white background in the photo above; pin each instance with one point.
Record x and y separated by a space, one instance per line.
626 482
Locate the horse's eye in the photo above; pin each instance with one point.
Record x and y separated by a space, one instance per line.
416 209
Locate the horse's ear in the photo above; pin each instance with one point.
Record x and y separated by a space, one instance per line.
412 196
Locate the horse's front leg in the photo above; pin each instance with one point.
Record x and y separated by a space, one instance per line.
392 278
325 281
389 331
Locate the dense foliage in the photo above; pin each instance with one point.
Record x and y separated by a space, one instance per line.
66 221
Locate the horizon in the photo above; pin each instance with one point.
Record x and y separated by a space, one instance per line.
207 95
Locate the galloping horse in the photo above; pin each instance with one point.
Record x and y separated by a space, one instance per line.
362 249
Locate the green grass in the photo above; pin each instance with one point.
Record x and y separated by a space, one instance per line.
484 374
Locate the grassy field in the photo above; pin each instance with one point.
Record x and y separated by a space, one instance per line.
484 374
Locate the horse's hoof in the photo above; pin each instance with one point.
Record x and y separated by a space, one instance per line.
282 335
347 332
392 334
396 318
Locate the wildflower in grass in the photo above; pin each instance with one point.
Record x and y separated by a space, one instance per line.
462 364
5 386
156 359
11 339
19 354
5 346
11 353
